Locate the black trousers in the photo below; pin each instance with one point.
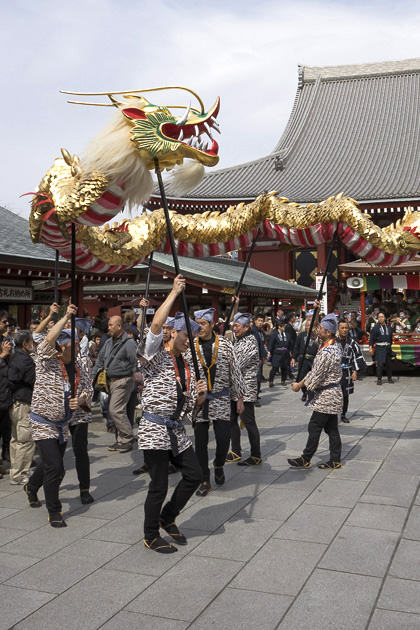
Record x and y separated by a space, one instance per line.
388 367
328 422
79 436
131 405
345 403
248 418
259 379
222 434
5 432
49 473
158 463
273 372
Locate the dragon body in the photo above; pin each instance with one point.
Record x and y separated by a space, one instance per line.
116 171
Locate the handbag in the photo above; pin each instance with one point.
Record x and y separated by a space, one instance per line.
100 382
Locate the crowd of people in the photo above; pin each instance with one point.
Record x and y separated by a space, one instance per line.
47 393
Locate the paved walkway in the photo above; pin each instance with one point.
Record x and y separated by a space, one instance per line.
273 548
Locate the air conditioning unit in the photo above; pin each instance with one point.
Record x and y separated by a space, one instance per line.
355 283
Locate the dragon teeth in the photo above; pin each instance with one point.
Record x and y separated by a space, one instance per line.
197 131
181 136
208 129
194 142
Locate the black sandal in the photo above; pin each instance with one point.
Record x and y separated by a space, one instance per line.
299 462
86 497
331 465
56 520
204 489
33 500
251 461
219 475
173 531
232 457
160 545
140 471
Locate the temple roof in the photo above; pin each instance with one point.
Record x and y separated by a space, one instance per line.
353 128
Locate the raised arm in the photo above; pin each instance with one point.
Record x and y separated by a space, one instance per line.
54 308
55 331
164 309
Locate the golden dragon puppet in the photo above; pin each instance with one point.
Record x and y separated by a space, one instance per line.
115 172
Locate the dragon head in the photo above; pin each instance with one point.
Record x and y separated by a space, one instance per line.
159 134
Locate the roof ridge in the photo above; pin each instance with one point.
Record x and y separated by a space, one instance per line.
378 68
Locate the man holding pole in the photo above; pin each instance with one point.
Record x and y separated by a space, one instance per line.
170 393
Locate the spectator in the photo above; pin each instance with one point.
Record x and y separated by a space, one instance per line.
5 393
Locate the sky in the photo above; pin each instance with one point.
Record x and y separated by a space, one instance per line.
245 52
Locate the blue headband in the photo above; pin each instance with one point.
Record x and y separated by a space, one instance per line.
180 323
243 318
205 313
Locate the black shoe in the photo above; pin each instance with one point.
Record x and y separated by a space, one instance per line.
32 497
345 419
86 497
219 475
391 380
251 461
257 403
379 381
173 531
56 520
204 489
263 379
140 471
160 545
232 457
331 465
271 384
299 462
114 447
125 448
304 397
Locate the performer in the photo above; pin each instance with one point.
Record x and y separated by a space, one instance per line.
306 360
256 330
380 343
352 362
280 347
219 368
52 409
325 397
246 350
169 394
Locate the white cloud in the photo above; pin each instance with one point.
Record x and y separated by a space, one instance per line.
245 52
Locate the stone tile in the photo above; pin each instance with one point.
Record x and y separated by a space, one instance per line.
400 595
235 608
360 550
273 504
68 566
390 620
125 529
281 566
46 540
337 493
242 485
176 596
375 447
406 562
237 539
211 512
115 504
357 470
313 523
381 517
391 489
11 564
88 604
333 600
135 621
26 520
4 512
412 528
7 535
138 559
17 603
300 479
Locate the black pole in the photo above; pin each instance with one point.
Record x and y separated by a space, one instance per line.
56 298
316 309
146 295
73 317
239 285
177 269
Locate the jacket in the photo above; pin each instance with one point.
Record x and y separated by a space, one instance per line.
123 363
21 376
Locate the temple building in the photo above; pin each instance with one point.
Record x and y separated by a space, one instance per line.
353 128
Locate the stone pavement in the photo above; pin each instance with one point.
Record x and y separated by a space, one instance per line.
273 548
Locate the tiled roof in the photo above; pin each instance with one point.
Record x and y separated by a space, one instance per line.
15 239
219 272
352 128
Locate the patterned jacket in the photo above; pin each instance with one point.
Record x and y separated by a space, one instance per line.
160 397
227 376
326 370
48 394
352 361
248 359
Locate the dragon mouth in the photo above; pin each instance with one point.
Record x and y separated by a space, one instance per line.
196 132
